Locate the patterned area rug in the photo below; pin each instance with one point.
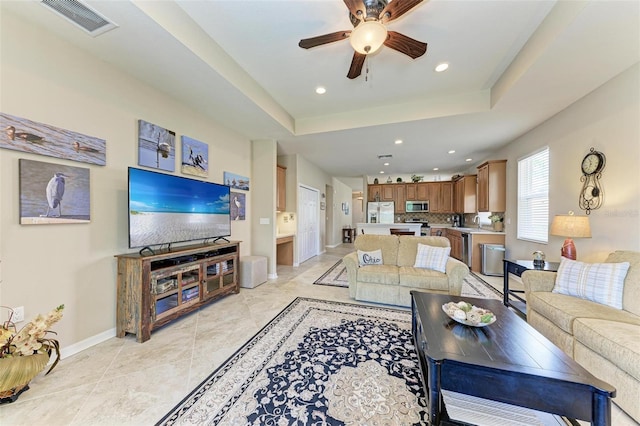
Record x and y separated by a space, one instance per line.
321 363
473 285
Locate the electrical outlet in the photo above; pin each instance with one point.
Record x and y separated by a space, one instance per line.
18 314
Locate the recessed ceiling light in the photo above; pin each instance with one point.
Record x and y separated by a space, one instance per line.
469 159
386 164
453 151
435 169
442 67
398 141
321 90
381 172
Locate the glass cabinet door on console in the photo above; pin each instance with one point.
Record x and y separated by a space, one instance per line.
219 275
172 289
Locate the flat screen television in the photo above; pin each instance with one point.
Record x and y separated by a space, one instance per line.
165 209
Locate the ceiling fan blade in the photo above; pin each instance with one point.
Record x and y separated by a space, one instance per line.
356 6
323 39
356 65
406 45
396 9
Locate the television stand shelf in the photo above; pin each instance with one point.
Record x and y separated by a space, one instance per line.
156 289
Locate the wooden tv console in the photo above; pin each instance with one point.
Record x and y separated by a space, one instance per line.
156 289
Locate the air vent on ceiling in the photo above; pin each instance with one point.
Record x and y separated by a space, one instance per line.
81 15
383 156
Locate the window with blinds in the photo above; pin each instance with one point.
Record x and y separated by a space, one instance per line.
533 197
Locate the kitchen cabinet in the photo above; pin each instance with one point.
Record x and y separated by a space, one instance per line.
492 194
464 194
399 198
411 191
387 192
422 191
446 197
374 192
440 197
281 189
455 239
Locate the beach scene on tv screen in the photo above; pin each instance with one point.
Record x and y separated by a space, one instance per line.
164 209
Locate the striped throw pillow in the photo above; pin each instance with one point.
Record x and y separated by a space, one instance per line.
430 257
599 282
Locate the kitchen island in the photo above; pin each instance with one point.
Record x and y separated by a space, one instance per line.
385 228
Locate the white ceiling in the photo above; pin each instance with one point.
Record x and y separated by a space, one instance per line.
513 64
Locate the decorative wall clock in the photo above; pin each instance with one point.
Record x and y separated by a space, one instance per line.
592 193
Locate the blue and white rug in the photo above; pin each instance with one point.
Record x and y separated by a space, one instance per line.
318 363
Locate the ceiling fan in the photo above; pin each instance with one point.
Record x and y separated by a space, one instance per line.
369 18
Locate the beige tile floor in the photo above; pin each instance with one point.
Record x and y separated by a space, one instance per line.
122 382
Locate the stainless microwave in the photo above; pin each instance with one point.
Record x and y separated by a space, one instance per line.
417 206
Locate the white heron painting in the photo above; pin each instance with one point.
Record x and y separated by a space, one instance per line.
53 193
237 205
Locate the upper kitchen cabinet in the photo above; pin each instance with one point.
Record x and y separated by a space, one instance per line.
464 194
399 198
387 192
492 194
281 189
374 192
411 191
422 191
440 196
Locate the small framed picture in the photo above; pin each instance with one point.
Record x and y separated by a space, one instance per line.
344 206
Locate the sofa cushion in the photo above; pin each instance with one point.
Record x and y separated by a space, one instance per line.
562 310
387 243
598 282
408 247
378 274
429 257
631 292
612 340
423 279
369 257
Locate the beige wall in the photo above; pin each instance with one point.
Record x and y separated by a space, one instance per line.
50 81
341 194
263 196
608 120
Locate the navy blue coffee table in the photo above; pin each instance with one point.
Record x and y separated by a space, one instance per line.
508 361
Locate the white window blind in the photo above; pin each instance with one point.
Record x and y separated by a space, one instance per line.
533 197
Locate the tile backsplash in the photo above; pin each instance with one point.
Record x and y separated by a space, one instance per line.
441 218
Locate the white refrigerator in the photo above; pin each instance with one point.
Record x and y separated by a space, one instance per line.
380 212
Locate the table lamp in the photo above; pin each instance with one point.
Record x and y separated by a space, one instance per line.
570 226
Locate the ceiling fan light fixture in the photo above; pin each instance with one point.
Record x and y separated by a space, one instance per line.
368 37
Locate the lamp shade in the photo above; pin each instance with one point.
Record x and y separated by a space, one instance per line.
569 225
368 36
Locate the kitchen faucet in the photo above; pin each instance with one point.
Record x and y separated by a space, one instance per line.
476 219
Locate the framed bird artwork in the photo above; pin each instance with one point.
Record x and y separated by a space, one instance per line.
53 193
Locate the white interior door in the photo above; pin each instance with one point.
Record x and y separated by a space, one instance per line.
309 227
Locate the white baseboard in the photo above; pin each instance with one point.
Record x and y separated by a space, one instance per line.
296 264
87 343
272 276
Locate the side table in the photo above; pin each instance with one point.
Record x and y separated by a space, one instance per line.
348 235
517 267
